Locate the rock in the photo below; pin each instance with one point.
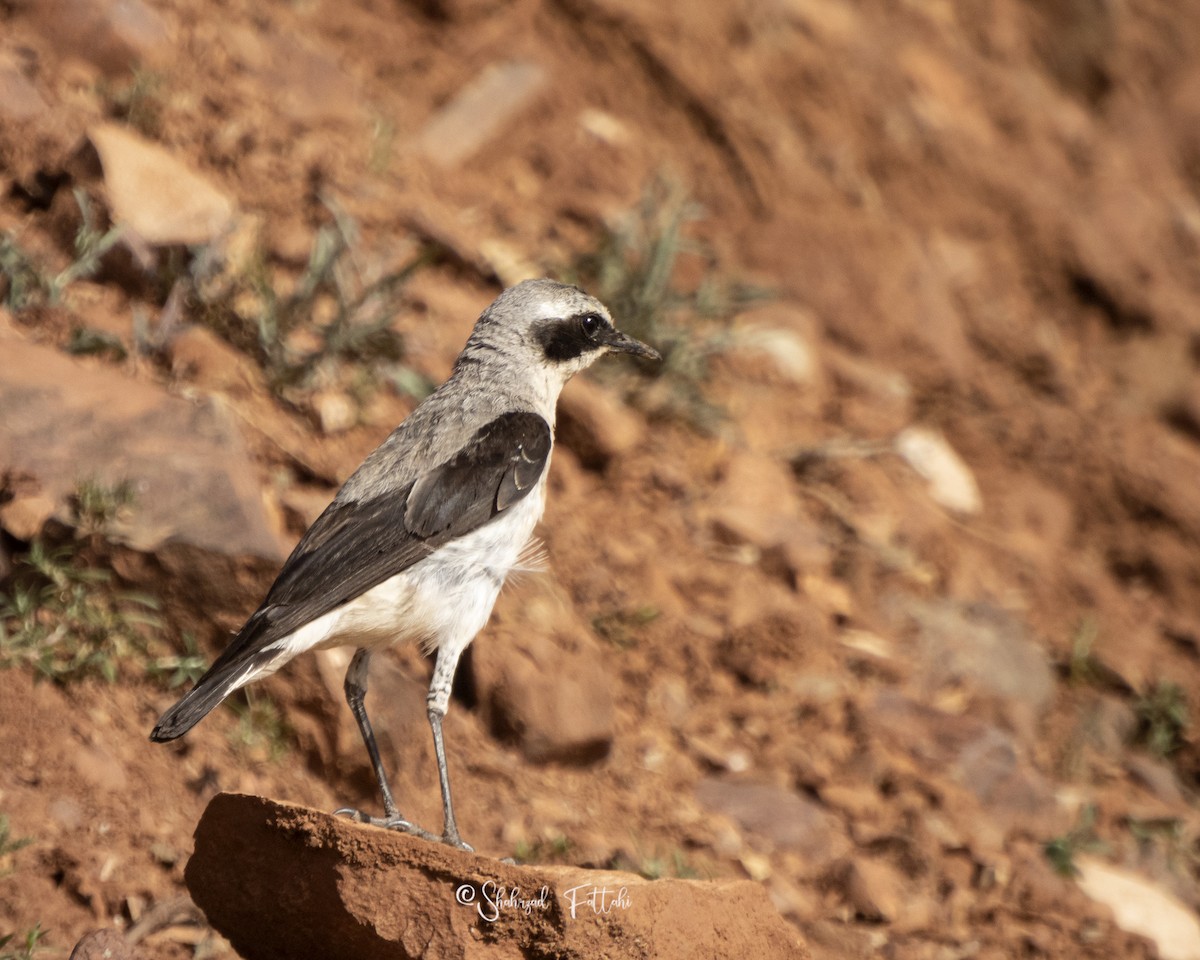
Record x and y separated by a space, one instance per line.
1141 907
199 356
105 945
776 814
157 195
594 425
983 760
875 890
336 411
19 99
756 505
66 421
115 35
282 881
479 112
950 480
984 644
541 681
307 83
25 516
1157 777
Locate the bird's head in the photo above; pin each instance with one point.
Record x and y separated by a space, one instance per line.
552 327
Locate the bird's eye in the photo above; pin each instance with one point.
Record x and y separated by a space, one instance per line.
591 323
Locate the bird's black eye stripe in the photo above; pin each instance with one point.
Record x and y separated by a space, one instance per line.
571 337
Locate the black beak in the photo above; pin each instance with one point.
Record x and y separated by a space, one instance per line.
620 342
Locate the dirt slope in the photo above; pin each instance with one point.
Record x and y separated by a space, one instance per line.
979 220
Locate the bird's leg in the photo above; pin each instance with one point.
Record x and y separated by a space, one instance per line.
438 701
356 693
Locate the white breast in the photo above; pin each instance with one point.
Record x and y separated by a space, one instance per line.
442 601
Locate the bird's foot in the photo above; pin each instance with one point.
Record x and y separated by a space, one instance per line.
398 822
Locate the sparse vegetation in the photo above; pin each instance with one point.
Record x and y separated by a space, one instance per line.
261 731
176 669
335 325
1163 719
138 101
28 946
63 618
673 863
1081 669
30 283
633 271
9 845
1081 838
543 850
97 504
620 627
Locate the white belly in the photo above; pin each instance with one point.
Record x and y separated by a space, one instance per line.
444 600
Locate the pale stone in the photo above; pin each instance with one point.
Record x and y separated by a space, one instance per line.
157 195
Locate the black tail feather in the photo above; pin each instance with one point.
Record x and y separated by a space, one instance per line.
220 681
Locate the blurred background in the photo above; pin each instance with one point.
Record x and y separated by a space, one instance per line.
888 578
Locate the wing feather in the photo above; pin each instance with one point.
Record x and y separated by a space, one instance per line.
357 544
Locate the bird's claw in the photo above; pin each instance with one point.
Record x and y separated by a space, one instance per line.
398 822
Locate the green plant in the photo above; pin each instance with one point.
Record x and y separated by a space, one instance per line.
1163 719
673 863
333 321
23 281
29 283
97 504
62 617
91 244
138 101
29 945
9 845
634 272
541 850
620 627
261 731
1081 668
176 669
1062 850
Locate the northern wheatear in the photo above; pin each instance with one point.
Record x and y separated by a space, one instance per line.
418 542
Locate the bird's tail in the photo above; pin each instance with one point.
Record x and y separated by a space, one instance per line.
220 681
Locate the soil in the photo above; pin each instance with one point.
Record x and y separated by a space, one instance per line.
980 219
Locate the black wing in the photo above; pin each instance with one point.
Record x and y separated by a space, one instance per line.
356 545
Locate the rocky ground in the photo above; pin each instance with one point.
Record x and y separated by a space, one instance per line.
884 594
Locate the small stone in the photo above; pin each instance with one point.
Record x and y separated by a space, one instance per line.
65 812
775 814
19 99
201 357
115 35
1142 907
950 480
480 111
157 195
25 516
336 412
105 945
874 889
305 82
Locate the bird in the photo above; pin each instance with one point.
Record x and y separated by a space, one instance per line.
417 543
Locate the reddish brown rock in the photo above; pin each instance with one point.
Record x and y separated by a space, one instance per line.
67 421
282 881
104 945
